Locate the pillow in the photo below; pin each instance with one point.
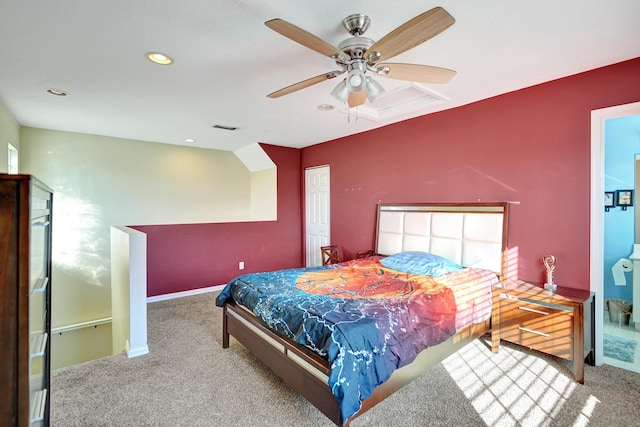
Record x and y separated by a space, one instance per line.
415 262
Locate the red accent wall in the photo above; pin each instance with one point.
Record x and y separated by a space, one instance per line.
190 256
530 146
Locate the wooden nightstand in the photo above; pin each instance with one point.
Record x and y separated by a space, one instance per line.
560 324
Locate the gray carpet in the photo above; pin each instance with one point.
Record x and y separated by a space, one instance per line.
189 380
619 348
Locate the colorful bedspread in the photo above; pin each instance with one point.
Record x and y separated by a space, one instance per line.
365 319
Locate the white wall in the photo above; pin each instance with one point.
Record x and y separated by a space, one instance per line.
129 291
263 182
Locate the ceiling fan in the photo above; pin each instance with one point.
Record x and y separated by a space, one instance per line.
357 55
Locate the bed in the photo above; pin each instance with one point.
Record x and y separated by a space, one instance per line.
347 335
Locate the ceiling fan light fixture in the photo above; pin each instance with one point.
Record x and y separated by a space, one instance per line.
356 81
373 89
341 91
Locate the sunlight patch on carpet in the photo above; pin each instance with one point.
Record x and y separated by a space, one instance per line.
509 388
619 348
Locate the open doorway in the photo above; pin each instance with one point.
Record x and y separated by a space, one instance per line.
598 118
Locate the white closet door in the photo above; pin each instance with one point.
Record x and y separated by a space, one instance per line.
317 213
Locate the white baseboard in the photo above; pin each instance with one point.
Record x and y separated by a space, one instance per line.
135 352
185 293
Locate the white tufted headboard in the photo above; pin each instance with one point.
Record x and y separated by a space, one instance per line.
471 234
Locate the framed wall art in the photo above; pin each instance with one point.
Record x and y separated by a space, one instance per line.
624 198
609 200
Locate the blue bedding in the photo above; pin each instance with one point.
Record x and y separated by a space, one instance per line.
365 319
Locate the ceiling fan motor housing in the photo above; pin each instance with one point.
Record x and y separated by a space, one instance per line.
355 47
356 24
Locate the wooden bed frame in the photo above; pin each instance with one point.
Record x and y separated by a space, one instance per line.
472 234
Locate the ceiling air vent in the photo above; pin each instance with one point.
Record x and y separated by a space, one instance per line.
402 101
225 127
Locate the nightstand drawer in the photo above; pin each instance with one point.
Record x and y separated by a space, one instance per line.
528 336
539 318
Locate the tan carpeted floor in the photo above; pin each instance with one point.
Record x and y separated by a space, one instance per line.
187 379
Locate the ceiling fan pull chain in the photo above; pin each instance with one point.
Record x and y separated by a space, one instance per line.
349 115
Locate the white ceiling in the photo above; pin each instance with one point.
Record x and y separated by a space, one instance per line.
227 61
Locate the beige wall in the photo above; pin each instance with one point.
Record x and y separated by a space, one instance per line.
9 134
102 181
264 197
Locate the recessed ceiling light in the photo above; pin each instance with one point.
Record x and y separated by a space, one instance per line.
325 107
159 58
190 140
57 92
